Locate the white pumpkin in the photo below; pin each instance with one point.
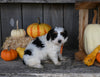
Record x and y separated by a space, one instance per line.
91 37
18 32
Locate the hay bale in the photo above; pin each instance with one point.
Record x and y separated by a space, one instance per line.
13 43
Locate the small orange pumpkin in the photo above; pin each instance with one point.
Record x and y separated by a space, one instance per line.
98 57
8 55
37 29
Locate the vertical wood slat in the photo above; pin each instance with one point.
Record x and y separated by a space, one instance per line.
75 29
0 30
99 15
9 14
91 14
68 23
83 22
53 14
31 12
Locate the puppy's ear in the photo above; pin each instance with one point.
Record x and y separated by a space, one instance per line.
64 34
49 34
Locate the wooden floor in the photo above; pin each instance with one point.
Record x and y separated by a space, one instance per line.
67 66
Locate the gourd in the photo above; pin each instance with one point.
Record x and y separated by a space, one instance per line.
91 37
20 52
98 57
8 54
18 32
89 59
38 29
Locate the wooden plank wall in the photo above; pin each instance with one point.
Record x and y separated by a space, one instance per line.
0 30
30 14
52 14
9 15
37 1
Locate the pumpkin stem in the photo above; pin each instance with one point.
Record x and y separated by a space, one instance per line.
17 24
38 20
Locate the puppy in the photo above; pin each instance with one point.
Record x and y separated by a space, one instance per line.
45 46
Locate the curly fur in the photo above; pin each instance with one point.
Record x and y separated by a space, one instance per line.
45 46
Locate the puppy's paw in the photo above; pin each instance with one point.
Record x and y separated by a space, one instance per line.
58 63
63 59
38 66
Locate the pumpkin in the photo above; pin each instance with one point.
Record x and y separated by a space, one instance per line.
18 32
61 49
98 57
20 52
8 54
91 37
89 59
37 29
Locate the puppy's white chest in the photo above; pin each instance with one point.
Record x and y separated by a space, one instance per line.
52 49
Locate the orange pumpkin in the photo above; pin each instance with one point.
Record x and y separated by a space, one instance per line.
98 57
8 55
36 29
61 49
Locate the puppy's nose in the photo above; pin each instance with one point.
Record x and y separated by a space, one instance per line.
59 41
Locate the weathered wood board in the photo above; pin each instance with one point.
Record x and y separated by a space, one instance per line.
9 14
83 22
87 5
75 29
99 15
53 14
87 0
0 30
30 13
37 1
71 24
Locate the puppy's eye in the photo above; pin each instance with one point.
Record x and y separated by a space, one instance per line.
62 33
55 32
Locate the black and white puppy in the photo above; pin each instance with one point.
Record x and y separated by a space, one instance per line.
43 46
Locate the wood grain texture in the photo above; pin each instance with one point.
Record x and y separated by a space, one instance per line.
86 5
75 29
69 24
87 0
83 22
53 14
0 30
91 14
94 17
30 13
9 14
99 15
37 1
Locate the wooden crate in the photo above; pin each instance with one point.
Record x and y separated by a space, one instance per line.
84 8
53 12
